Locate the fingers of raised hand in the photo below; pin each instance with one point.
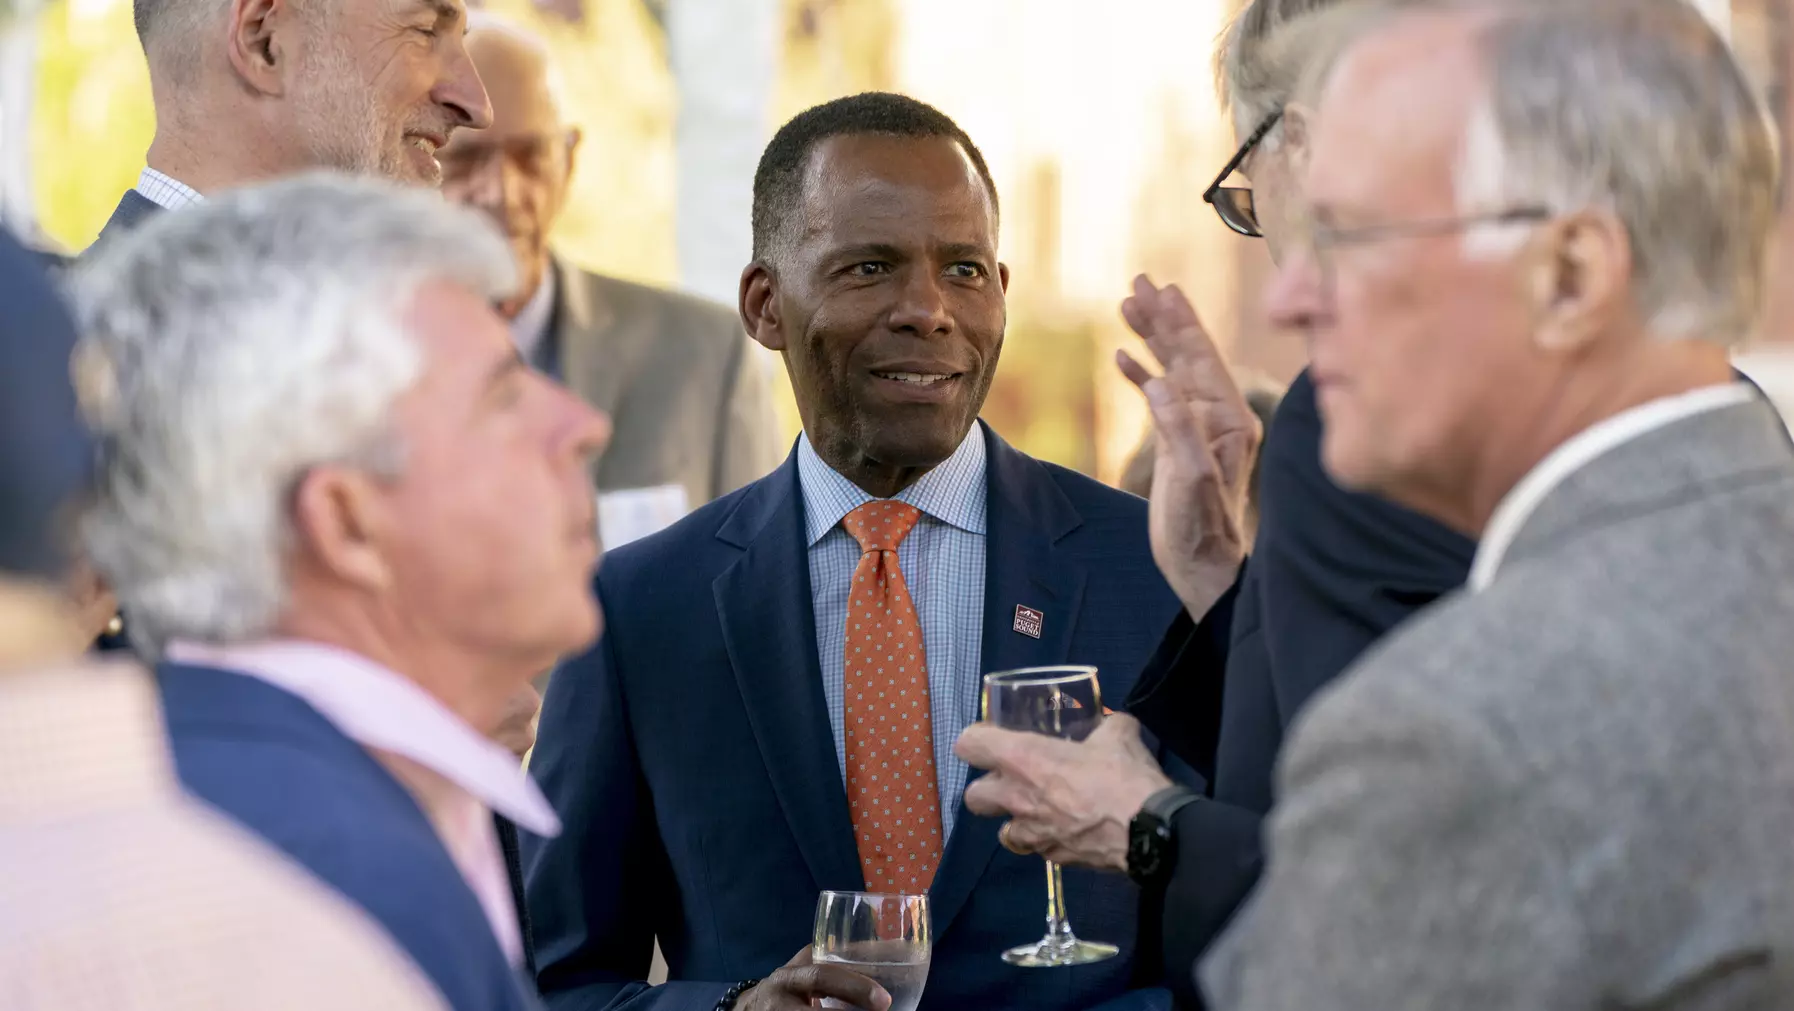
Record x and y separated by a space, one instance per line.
1182 429
1132 369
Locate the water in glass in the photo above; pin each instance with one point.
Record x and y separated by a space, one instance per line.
886 937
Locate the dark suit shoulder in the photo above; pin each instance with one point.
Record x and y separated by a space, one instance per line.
1092 497
277 767
233 736
133 210
1345 530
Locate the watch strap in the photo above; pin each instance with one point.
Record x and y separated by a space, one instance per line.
1165 804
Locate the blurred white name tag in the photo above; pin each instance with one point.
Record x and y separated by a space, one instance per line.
632 514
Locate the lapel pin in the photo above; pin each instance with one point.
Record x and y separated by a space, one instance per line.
1028 621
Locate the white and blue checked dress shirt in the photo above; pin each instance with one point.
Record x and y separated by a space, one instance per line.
942 561
166 191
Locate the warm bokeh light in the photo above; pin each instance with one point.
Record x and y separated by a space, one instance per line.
1099 122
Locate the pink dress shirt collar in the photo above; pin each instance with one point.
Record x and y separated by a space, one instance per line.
385 711
457 776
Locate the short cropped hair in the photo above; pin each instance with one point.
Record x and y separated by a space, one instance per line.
171 31
779 179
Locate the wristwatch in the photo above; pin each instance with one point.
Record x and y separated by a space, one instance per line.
1151 838
733 994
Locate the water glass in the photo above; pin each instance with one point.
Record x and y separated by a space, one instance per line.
886 937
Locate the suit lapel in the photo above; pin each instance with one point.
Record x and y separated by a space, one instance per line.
1026 516
768 622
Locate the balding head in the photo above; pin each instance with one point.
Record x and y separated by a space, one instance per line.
519 75
516 171
248 90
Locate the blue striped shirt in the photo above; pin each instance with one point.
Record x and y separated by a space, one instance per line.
942 561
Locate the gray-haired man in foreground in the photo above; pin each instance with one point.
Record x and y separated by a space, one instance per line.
1534 230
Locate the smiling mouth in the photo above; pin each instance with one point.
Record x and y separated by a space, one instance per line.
918 378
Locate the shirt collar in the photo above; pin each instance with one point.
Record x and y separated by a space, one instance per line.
382 710
1578 452
530 327
78 739
166 191
1772 369
953 492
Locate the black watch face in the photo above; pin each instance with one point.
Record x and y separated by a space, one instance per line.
1143 856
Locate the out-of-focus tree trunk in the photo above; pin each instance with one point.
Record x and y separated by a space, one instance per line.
724 55
18 68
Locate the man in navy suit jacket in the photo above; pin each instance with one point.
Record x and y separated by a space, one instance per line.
300 378
697 757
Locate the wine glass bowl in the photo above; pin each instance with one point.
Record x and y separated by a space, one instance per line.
889 938
1064 702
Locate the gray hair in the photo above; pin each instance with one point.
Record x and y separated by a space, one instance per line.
1640 109
1253 78
1635 107
245 341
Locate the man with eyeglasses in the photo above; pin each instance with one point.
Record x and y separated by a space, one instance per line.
683 384
1532 232
1330 572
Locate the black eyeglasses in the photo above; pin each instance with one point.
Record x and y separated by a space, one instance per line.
1234 203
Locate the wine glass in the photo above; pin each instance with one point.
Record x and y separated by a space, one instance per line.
886 937
1063 702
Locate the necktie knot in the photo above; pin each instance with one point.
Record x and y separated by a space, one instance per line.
881 525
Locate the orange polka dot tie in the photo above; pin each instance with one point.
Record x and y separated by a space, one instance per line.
889 723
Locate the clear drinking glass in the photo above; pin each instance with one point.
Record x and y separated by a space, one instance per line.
1064 702
887 937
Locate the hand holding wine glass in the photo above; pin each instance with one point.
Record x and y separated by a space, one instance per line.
1062 702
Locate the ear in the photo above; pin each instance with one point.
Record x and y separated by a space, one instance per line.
1003 276
1578 279
336 521
760 306
564 185
1292 133
574 136
259 46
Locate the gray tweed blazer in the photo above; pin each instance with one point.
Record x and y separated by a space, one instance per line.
1571 790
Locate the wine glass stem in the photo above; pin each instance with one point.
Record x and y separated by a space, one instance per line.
1059 933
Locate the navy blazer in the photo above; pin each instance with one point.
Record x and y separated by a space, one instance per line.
270 761
133 209
691 760
1330 573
